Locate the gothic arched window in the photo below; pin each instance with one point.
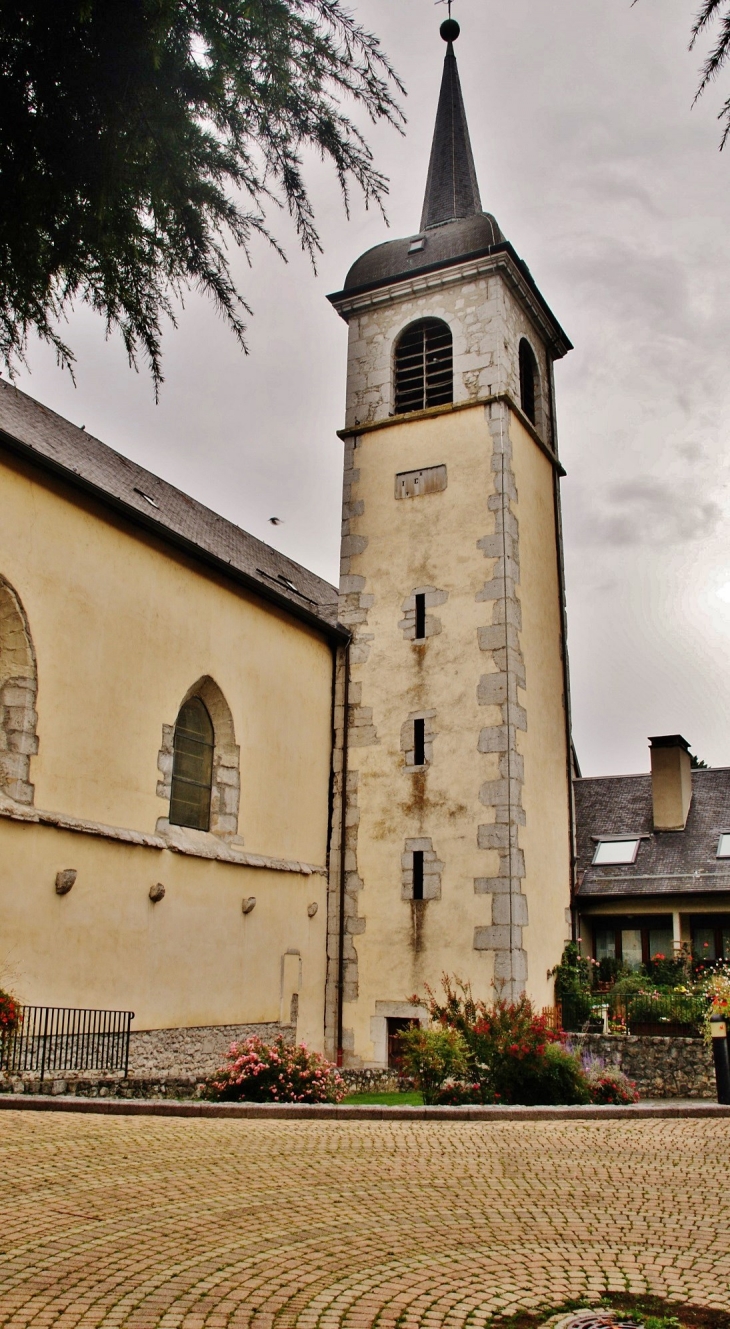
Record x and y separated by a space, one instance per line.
424 366
192 767
18 688
529 381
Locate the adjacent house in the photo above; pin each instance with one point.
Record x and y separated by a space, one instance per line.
653 859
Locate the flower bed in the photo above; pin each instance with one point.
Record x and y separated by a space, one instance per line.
503 1053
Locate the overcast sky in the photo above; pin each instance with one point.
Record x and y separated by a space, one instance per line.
611 187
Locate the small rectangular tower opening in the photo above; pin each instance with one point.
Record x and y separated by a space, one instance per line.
419 745
420 616
417 874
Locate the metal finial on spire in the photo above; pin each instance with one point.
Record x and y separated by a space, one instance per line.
449 28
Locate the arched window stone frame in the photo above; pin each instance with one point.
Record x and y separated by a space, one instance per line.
18 690
226 783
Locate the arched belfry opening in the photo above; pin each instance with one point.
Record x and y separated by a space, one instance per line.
200 763
424 366
18 688
529 381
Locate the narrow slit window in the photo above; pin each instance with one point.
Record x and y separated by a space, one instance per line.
424 366
419 742
421 621
192 767
417 874
528 380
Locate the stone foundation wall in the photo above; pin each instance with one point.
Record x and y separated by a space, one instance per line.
105 1086
375 1081
661 1067
192 1053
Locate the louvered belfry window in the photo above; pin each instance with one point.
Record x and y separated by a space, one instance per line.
192 767
424 366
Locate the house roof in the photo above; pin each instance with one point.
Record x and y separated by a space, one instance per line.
667 862
38 434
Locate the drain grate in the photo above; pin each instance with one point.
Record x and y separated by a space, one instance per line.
591 1319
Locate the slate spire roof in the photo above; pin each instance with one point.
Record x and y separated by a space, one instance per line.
452 190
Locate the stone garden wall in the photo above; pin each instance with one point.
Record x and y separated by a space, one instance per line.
173 1053
661 1067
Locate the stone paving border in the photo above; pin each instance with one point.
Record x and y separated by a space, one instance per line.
141 1107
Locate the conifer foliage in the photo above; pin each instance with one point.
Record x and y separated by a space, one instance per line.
139 138
711 11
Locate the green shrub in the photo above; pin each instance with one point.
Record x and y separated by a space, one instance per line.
278 1072
574 974
610 969
433 1056
669 970
555 1077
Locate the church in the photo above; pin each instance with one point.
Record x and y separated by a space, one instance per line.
234 798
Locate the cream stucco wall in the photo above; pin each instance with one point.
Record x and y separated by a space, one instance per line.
429 541
545 837
447 541
191 959
123 627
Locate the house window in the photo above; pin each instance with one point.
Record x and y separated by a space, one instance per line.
424 366
723 848
710 937
605 943
418 874
615 851
633 941
192 770
528 380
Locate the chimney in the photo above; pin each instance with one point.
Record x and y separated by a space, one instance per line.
671 781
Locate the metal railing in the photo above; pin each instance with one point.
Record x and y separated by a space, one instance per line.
671 1015
58 1038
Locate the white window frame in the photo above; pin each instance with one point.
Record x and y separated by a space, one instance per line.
616 840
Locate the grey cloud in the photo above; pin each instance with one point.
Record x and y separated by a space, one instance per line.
649 511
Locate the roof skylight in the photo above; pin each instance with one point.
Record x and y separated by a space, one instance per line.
617 851
723 848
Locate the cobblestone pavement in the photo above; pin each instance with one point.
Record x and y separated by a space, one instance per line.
145 1222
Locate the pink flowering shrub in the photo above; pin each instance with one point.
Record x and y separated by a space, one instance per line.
277 1072
607 1084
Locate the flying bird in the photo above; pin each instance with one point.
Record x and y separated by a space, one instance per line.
275 521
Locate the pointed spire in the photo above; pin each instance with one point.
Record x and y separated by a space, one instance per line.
451 188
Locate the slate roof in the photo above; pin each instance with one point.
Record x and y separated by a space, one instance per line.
667 862
38 434
451 243
451 187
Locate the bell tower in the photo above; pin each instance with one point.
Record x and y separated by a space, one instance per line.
452 718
